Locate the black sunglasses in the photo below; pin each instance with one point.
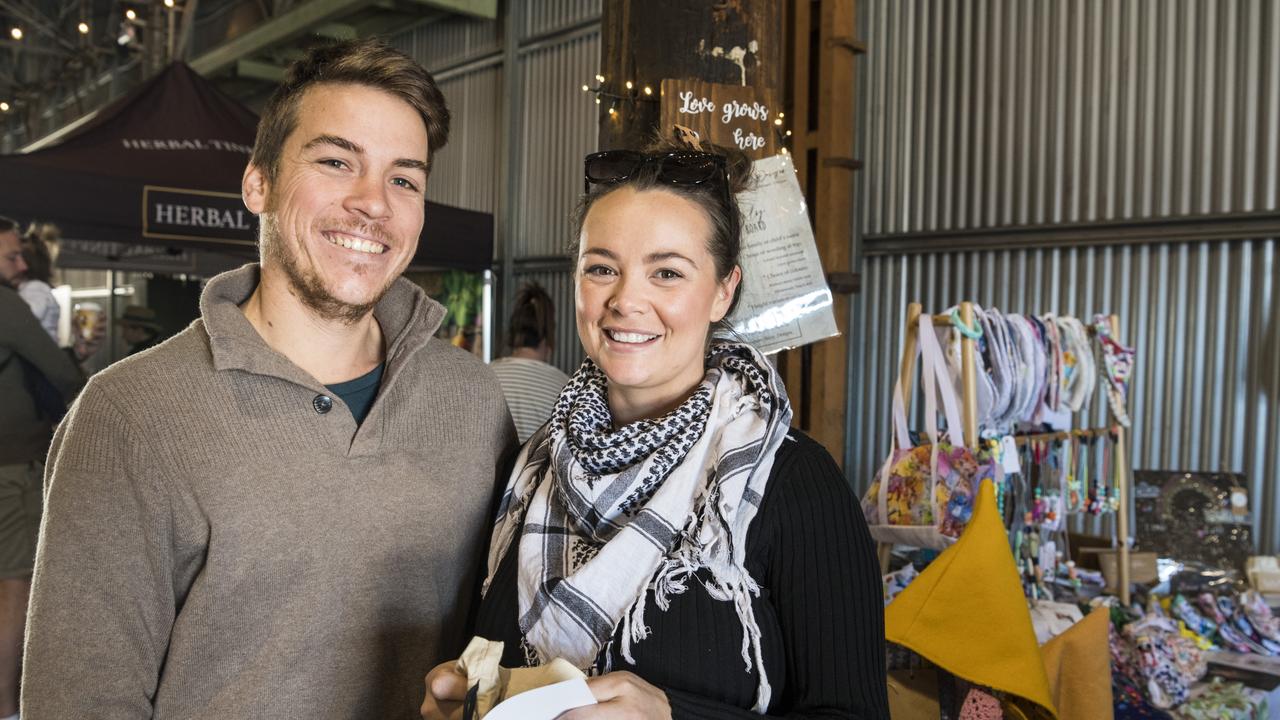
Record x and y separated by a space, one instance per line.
680 167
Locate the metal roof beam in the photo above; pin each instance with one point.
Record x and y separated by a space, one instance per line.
294 23
485 9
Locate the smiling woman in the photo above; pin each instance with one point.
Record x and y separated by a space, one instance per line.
666 530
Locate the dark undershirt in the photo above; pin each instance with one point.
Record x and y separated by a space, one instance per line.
359 394
820 610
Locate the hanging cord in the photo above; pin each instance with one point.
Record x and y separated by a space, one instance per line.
973 333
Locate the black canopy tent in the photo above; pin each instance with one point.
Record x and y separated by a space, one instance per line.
153 182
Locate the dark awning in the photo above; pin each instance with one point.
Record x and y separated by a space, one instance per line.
162 167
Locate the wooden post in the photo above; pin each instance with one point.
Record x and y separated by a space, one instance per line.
1120 472
969 379
822 142
648 41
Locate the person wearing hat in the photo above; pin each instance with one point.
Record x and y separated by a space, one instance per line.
139 328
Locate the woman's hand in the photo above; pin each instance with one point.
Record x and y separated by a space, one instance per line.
446 689
622 696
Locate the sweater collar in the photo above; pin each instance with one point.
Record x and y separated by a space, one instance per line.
408 318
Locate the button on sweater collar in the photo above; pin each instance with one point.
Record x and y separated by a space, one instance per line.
408 317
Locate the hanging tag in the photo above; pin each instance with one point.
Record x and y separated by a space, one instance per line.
1049 559
1009 456
1239 502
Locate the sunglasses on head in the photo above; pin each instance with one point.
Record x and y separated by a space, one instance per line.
679 167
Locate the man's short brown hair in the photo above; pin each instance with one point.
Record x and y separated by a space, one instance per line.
368 62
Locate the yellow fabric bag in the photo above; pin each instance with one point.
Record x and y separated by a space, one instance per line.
966 612
1078 663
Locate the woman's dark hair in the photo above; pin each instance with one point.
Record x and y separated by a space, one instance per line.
726 219
533 318
39 245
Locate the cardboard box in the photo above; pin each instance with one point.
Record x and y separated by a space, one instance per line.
1142 566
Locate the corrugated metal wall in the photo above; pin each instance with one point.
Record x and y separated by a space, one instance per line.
1013 112
1008 112
555 126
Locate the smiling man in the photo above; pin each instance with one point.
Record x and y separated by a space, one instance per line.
280 512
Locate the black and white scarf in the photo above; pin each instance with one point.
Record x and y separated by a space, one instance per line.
605 515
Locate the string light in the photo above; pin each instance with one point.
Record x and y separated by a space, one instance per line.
782 114
16 33
777 120
630 95
131 14
612 111
788 133
4 107
83 27
168 4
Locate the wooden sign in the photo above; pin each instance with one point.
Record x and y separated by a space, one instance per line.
729 115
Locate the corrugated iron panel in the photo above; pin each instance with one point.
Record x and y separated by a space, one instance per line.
559 285
558 128
1204 317
450 41
1020 112
546 16
466 170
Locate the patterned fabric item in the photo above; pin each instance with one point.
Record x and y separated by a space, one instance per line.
1225 701
980 705
1118 362
1127 682
1164 662
924 495
604 515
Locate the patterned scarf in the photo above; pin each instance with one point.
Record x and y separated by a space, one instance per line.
605 515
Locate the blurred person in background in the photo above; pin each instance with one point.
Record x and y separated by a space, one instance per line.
39 252
139 328
529 382
37 380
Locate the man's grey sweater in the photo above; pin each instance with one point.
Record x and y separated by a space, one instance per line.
215 546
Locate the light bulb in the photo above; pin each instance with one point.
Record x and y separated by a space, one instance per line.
83 28
648 90
630 85
4 107
131 14
16 33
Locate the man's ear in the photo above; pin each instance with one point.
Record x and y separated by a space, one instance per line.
254 189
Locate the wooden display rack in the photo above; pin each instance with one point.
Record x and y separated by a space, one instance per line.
969 414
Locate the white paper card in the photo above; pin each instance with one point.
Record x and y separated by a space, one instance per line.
785 300
544 703
1009 456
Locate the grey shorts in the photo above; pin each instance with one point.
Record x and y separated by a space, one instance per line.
21 503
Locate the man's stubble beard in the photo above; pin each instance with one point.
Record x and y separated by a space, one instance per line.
305 284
